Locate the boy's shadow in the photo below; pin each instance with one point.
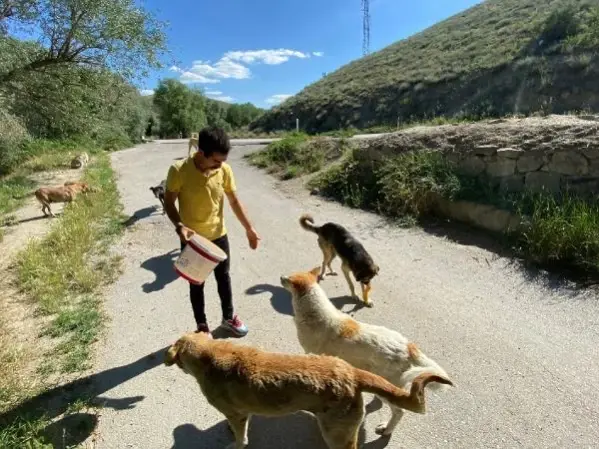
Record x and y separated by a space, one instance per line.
163 269
294 431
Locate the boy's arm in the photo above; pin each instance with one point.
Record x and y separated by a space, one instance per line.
171 193
241 214
238 209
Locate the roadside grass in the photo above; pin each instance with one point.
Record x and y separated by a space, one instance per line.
62 275
561 232
33 156
298 154
13 191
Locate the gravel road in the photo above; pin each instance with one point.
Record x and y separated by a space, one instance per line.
523 351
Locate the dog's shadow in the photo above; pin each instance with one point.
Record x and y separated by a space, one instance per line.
295 431
140 215
163 269
281 299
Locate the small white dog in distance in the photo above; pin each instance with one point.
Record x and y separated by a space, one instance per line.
323 329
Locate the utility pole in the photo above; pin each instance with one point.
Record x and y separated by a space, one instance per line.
365 27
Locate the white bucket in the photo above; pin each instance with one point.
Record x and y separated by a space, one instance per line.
198 259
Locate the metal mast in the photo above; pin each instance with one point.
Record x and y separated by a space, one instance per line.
365 27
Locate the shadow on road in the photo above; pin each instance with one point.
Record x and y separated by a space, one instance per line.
280 298
555 278
140 215
343 300
162 267
76 427
295 431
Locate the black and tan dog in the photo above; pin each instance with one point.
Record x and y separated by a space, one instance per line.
158 192
335 240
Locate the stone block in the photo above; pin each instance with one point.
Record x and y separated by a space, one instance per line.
591 153
509 153
485 150
530 161
501 167
513 183
569 163
471 166
543 181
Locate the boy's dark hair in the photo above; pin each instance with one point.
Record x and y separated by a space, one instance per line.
213 139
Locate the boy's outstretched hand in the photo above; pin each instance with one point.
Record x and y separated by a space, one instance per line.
253 238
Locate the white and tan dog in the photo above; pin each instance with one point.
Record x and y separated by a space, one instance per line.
80 160
323 329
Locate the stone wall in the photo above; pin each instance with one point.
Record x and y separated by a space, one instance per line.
514 169
538 153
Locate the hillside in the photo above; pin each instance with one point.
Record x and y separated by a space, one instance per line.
496 58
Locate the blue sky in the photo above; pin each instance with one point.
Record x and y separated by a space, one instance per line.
263 50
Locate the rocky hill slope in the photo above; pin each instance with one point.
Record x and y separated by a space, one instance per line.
499 57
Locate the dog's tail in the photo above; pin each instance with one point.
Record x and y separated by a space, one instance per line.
422 364
307 222
414 400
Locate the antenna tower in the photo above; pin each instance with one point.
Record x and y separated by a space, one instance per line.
365 27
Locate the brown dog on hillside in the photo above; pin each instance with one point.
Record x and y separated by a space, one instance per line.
334 240
60 194
240 381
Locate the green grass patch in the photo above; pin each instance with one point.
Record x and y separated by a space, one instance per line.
561 231
80 233
13 192
62 274
298 154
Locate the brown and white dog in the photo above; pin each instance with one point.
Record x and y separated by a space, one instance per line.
240 381
323 329
60 194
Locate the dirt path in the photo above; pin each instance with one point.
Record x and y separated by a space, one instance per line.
524 354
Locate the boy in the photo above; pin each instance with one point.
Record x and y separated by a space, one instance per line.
200 183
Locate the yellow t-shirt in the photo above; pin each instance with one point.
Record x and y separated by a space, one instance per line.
201 197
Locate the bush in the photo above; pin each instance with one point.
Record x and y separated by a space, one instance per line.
13 135
403 185
560 25
561 231
293 155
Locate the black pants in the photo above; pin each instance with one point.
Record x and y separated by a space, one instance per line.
223 283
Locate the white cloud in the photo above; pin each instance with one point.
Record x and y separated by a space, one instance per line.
279 98
193 78
270 57
224 98
146 92
231 65
224 68
213 92
318 53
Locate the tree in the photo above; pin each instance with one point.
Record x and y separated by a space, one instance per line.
181 110
113 34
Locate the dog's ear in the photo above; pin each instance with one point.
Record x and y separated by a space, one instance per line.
171 354
315 271
376 269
